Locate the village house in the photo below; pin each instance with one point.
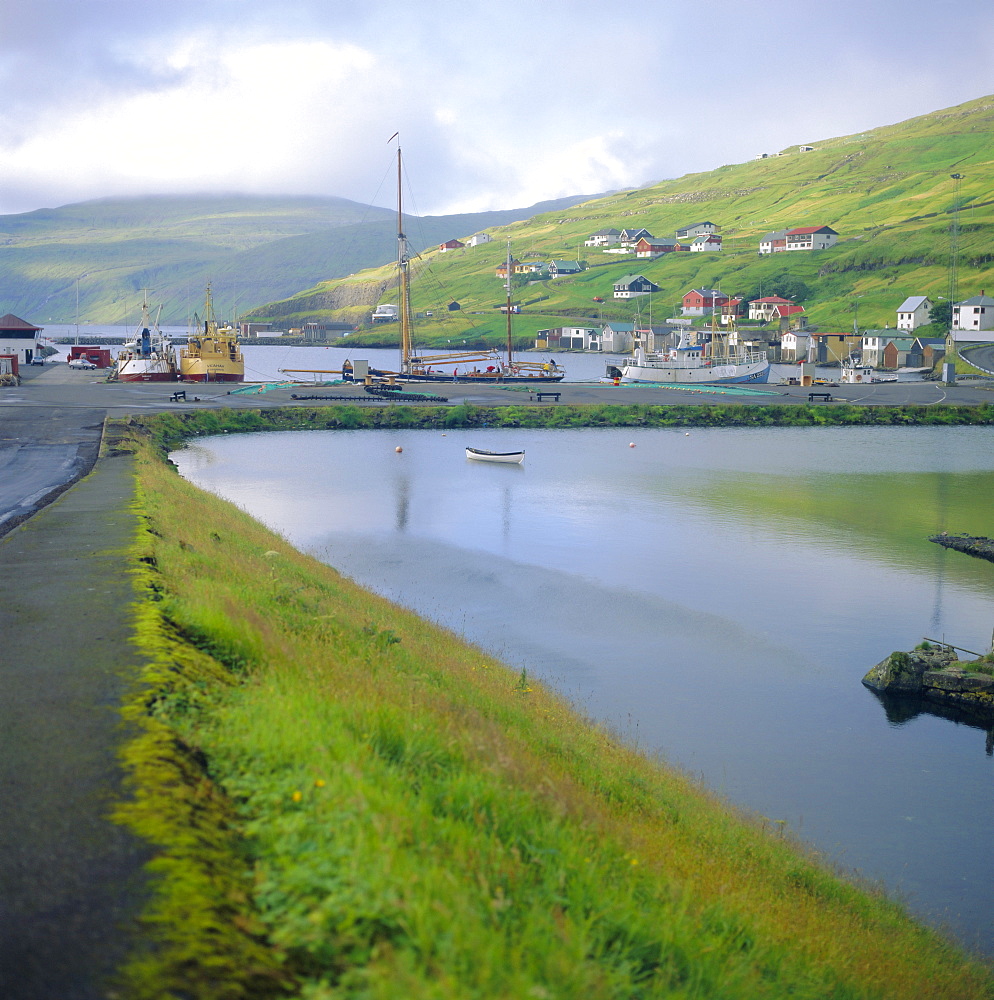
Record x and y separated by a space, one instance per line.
563 268
811 238
529 267
478 239
897 351
974 314
767 308
927 352
732 309
706 242
17 341
697 229
913 312
652 248
633 285
794 346
568 338
603 238
617 338
502 268
873 344
629 237
702 301
773 242
450 245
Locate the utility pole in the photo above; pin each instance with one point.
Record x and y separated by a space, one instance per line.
953 262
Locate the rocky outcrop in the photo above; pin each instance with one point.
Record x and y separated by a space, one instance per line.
938 675
972 545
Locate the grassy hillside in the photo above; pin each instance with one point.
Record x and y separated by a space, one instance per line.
887 192
253 249
346 801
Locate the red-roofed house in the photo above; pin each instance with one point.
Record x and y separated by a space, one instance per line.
810 238
702 301
17 340
450 245
767 309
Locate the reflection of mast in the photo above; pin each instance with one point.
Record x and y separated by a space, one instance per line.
403 262
507 285
403 503
941 510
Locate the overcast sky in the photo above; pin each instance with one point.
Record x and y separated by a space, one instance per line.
498 104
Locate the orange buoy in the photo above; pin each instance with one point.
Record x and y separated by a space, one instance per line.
631 444
398 449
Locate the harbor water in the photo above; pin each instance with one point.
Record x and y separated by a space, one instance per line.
714 597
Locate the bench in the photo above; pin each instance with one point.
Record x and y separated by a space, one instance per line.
178 395
548 395
812 396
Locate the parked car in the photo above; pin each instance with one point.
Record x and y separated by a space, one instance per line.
37 360
83 364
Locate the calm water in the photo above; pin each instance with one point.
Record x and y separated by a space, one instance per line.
715 597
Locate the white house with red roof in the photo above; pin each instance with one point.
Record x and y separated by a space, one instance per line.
18 340
767 308
810 238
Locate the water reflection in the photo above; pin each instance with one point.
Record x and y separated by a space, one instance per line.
722 592
901 709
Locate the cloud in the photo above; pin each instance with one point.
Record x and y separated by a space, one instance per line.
497 106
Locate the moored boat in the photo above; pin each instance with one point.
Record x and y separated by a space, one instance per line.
149 356
508 457
212 353
690 364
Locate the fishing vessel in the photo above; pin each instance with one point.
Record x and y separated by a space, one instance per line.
507 457
149 356
212 353
713 363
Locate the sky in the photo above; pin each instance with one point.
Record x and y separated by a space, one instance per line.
498 104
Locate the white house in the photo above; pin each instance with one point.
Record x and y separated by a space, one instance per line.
811 238
974 314
617 338
697 229
387 313
18 338
873 344
705 242
913 312
794 345
475 241
633 285
773 242
602 238
629 237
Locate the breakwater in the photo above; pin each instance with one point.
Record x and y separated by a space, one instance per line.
972 545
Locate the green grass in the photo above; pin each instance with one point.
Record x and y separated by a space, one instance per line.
887 192
347 801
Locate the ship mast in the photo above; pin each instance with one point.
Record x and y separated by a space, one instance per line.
403 260
507 285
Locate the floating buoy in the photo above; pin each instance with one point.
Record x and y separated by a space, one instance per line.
631 444
687 434
398 449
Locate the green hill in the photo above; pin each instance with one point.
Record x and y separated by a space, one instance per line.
888 192
254 249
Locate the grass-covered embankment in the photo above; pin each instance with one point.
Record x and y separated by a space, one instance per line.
349 801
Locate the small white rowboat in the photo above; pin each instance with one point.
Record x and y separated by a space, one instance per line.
515 457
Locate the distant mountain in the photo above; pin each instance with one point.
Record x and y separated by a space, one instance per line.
894 195
253 248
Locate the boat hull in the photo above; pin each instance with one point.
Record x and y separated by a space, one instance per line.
757 372
473 378
141 370
200 370
504 457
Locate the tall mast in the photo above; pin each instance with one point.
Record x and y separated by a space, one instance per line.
402 266
507 285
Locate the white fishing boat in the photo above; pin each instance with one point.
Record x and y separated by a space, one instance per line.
149 356
508 457
713 363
